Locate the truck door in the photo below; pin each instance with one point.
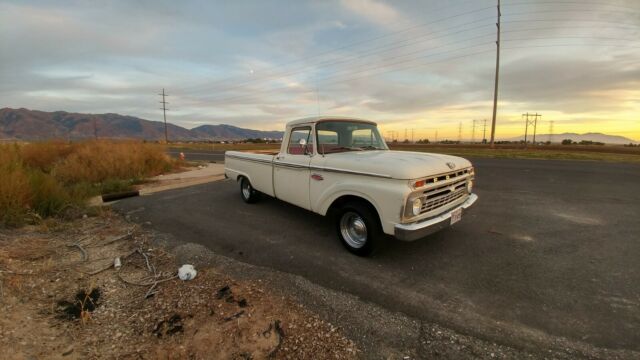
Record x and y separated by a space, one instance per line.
291 168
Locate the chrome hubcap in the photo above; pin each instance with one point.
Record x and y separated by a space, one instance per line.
353 229
246 190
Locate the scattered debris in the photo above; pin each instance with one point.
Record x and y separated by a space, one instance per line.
234 316
84 302
169 327
68 350
223 292
111 319
187 272
85 256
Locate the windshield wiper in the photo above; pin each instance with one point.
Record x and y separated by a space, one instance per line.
337 149
369 147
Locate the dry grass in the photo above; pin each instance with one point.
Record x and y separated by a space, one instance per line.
44 179
600 153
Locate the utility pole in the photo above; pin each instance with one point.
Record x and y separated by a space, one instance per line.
484 132
550 131
95 129
405 135
495 89
164 113
460 133
412 133
436 137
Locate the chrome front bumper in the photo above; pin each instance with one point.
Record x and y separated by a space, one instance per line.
418 230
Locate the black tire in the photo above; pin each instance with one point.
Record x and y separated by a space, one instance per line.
247 192
358 214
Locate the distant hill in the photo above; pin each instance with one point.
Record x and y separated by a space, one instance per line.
221 132
599 137
24 124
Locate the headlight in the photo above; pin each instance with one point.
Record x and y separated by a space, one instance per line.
469 186
417 206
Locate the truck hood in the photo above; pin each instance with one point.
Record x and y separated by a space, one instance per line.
395 164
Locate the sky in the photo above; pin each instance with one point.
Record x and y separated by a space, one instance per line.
420 67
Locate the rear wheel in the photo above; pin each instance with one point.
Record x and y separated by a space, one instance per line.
358 228
247 192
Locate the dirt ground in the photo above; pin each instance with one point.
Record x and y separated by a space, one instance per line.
61 297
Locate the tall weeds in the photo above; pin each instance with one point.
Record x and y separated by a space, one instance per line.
43 179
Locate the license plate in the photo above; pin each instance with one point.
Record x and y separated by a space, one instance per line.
456 216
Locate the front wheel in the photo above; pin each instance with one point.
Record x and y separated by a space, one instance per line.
358 228
248 193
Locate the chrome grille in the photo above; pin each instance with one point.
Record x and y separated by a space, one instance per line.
447 176
442 195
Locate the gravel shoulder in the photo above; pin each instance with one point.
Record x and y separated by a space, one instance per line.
62 298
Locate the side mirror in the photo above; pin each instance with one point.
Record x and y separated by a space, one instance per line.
303 143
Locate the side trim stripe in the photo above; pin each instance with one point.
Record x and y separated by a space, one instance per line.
298 166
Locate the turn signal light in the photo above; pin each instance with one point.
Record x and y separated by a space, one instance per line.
419 183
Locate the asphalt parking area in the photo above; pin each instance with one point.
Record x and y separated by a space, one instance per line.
552 248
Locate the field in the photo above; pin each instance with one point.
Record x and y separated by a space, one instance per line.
51 178
558 152
610 153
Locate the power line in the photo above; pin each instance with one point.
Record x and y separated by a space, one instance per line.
164 113
366 70
414 55
355 57
580 3
393 33
569 21
571 37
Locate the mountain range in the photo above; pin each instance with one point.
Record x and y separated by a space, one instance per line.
598 137
25 124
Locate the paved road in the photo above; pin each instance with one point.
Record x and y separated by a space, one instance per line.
552 248
200 155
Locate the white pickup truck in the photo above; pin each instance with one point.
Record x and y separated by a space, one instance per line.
342 167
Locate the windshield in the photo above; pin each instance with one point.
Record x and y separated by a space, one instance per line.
340 136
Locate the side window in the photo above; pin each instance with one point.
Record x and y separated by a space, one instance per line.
297 134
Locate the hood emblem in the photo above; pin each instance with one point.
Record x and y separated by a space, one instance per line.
451 165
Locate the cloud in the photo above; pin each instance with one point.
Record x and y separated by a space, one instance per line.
340 57
374 11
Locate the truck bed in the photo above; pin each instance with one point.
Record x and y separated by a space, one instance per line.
256 165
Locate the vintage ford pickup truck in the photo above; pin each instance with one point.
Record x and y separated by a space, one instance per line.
342 167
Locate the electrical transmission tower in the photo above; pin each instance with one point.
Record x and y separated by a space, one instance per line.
164 113
473 131
550 131
484 131
460 132
436 137
530 119
412 133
